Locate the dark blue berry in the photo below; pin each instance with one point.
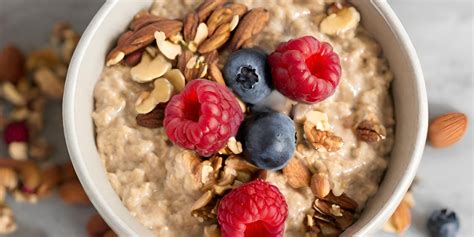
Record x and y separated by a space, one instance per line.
247 73
268 139
443 223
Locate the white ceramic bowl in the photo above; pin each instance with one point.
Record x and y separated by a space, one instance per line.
408 92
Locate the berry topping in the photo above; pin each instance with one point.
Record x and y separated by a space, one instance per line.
248 74
255 209
305 69
269 140
443 223
202 117
15 132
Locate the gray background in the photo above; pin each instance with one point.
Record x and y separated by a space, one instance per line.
442 32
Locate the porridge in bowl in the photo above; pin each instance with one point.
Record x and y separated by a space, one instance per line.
243 118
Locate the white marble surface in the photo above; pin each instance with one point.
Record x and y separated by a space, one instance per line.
442 32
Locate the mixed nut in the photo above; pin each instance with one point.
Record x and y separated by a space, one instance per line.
27 85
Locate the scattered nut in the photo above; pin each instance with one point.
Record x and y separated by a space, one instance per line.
49 83
400 220
40 149
96 226
297 174
160 94
447 129
167 48
18 150
42 58
149 69
371 131
7 220
11 64
215 74
176 78
51 177
8 178
340 22
320 185
207 7
71 192
190 25
30 175
11 94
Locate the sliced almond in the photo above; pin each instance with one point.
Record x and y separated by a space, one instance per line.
201 34
160 94
149 69
176 77
234 22
167 48
341 21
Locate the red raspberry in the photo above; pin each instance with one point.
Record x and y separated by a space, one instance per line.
255 209
202 117
305 69
15 132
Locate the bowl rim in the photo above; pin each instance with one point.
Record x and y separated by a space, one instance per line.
121 226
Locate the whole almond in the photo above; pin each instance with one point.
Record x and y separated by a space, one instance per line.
297 174
447 129
320 185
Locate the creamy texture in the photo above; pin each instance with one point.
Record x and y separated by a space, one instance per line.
153 177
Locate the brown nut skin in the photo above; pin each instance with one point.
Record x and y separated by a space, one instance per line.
12 64
447 129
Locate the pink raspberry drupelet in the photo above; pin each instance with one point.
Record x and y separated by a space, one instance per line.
202 117
255 209
305 69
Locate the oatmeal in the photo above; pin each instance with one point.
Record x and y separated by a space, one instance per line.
156 179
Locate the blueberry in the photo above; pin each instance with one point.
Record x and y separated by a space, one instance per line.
268 139
247 73
443 223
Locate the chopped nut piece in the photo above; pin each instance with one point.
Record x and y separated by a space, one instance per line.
154 119
8 178
71 192
7 220
18 150
42 58
297 174
115 57
201 34
30 175
234 146
320 185
167 48
234 22
215 74
149 69
400 220
371 131
239 163
51 177
341 21
202 201
96 226
11 94
49 83
317 119
323 140
160 94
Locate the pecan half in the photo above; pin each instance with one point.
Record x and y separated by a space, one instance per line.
215 41
207 7
154 119
224 15
251 24
190 25
371 131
